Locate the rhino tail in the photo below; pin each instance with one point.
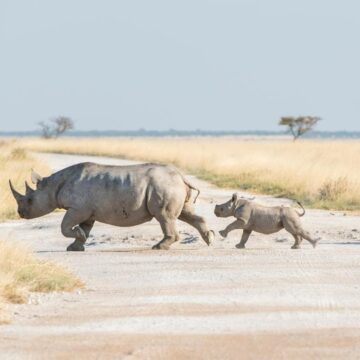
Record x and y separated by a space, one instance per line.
303 213
192 187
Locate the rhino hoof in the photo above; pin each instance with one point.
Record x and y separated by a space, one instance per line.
160 247
223 233
240 246
210 237
314 243
75 247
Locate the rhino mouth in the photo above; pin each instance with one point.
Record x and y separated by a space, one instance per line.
23 214
218 211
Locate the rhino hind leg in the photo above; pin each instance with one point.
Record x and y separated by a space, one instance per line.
306 235
171 235
294 227
74 226
297 242
198 222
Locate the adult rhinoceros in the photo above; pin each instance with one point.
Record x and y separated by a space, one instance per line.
116 195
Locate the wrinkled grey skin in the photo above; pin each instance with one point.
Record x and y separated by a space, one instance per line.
116 195
251 216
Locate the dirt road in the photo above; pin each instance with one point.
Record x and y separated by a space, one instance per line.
265 302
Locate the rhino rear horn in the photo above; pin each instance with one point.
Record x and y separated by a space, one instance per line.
16 194
29 190
35 177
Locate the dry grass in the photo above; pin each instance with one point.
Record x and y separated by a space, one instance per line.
15 164
21 273
322 174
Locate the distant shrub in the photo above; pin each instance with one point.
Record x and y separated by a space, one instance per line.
333 189
56 127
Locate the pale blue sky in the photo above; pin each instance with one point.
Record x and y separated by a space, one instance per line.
213 65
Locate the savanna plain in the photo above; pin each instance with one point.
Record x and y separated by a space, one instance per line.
120 299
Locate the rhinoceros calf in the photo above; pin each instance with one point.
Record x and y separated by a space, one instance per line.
116 195
251 216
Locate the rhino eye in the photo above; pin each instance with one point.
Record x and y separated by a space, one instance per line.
29 200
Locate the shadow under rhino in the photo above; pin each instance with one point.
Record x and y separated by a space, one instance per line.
115 195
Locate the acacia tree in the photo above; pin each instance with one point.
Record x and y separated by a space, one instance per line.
55 127
46 130
300 125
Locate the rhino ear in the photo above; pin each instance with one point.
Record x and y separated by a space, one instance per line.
35 177
234 197
247 198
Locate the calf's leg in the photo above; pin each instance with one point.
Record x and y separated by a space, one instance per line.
244 239
294 227
237 224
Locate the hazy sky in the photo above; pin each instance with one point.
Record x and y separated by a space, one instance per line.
212 65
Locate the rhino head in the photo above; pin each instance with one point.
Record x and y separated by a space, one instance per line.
34 203
228 208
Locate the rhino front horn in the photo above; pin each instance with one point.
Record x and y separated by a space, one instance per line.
35 177
16 194
29 190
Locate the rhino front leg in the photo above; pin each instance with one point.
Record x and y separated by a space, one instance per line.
75 226
171 235
78 244
244 239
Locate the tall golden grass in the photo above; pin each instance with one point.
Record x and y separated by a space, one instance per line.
21 273
322 174
15 164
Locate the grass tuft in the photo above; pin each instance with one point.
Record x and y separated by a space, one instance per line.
21 273
15 164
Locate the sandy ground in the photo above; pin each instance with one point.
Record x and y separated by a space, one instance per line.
194 301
